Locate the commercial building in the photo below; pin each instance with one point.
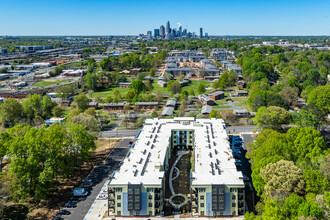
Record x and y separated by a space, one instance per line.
201 32
215 188
156 33
162 31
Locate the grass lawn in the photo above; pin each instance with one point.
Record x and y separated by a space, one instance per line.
242 102
194 85
48 83
107 92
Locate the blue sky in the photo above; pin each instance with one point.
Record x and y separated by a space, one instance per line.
123 17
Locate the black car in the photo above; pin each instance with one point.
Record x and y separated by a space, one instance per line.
70 205
64 212
58 218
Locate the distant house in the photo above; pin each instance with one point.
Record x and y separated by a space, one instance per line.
217 95
184 82
206 109
54 120
93 105
123 84
145 105
239 93
206 100
113 106
135 71
125 72
168 111
171 103
241 112
162 83
241 84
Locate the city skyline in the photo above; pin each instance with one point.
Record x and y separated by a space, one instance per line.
106 17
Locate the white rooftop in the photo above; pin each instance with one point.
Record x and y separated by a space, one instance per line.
211 152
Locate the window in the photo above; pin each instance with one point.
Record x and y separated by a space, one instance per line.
118 204
233 205
201 189
150 212
233 197
150 196
202 205
118 212
150 204
118 197
202 212
234 213
202 198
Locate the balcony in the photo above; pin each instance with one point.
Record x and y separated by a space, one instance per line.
111 197
111 205
241 205
194 204
241 198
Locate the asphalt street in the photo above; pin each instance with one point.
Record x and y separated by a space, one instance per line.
132 133
99 175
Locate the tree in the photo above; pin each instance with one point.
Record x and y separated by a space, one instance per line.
159 95
154 114
3 147
272 117
138 86
290 95
273 211
305 119
58 111
66 92
130 95
307 209
292 204
81 102
73 113
315 181
108 99
181 77
175 87
201 88
116 94
32 106
191 92
282 178
91 111
88 121
11 112
47 106
320 97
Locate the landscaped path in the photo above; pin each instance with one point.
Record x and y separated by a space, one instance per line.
177 206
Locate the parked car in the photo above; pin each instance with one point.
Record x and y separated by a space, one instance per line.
58 218
70 205
64 212
238 161
238 164
245 178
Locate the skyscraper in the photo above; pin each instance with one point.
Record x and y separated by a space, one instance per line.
162 31
201 32
149 35
168 27
156 33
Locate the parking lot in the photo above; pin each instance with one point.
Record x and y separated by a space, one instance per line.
98 177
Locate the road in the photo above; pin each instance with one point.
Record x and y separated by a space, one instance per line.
241 129
119 133
132 133
101 173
